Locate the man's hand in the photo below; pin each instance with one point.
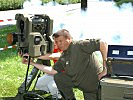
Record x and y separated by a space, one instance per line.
103 73
25 59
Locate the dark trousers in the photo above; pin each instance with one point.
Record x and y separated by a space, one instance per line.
65 85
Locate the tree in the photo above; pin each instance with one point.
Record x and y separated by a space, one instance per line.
84 4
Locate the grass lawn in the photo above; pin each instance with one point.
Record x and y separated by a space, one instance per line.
12 71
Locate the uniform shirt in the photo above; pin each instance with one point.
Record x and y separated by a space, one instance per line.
80 63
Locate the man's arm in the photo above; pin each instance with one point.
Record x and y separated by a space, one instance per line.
103 50
45 57
44 68
53 56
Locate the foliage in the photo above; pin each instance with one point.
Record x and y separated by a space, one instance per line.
11 4
18 4
63 2
74 1
120 2
46 1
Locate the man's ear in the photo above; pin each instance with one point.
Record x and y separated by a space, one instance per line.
68 39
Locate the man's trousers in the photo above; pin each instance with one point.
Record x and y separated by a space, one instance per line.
65 86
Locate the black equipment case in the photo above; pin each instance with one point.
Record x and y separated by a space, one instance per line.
120 60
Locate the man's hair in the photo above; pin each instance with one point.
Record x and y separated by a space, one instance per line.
62 32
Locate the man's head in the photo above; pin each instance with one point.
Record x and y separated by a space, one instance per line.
62 39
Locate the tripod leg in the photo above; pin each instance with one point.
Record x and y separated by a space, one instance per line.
30 78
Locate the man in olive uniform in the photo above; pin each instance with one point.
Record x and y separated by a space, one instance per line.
78 66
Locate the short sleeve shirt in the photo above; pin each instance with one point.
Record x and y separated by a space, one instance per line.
80 63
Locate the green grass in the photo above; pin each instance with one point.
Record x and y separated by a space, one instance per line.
12 71
3 33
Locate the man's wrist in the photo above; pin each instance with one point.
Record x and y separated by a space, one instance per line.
104 68
104 59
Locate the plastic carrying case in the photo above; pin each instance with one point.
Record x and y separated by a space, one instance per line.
120 60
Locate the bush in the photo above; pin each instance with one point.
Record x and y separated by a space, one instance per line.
63 2
11 4
120 2
45 1
74 1
18 4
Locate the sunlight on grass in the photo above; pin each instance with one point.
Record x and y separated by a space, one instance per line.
78 94
12 73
